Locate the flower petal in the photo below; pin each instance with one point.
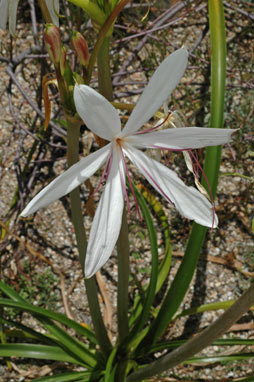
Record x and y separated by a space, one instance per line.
13 7
188 200
182 138
53 7
107 221
3 13
69 180
98 114
163 82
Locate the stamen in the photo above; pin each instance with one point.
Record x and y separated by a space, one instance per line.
208 185
131 187
153 128
105 173
194 154
125 192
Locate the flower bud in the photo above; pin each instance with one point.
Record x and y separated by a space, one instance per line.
81 48
53 42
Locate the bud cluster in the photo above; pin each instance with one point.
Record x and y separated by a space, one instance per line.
57 53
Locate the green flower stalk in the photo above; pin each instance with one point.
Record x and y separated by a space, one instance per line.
92 9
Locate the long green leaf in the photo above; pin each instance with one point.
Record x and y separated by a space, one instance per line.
49 314
75 376
142 309
157 207
205 308
109 366
187 268
72 346
221 342
221 358
150 293
25 332
53 353
64 339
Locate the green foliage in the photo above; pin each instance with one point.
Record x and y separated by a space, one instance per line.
39 287
36 288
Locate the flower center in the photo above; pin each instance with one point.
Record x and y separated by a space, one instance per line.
119 142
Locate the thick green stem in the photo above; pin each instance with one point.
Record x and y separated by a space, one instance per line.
123 280
104 75
105 87
185 272
102 34
76 212
77 219
45 11
200 341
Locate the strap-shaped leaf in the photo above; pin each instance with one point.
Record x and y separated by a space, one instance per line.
75 347
75 376
164 266
222 358
151 290
53 353
110 366
25 332
49 314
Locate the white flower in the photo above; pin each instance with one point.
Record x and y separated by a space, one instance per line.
53 7
8 12
103 120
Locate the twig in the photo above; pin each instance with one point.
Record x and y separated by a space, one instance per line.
33 19
108 313
239 10
234 264
16 119
200 38
31 103
157 23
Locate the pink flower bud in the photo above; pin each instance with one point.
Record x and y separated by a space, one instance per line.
81 48
53 42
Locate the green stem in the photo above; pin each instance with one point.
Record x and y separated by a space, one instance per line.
200 341
218 61
92 9
121 371
73 129
123 280
104 75
45 11
187 268
105 86
102 34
